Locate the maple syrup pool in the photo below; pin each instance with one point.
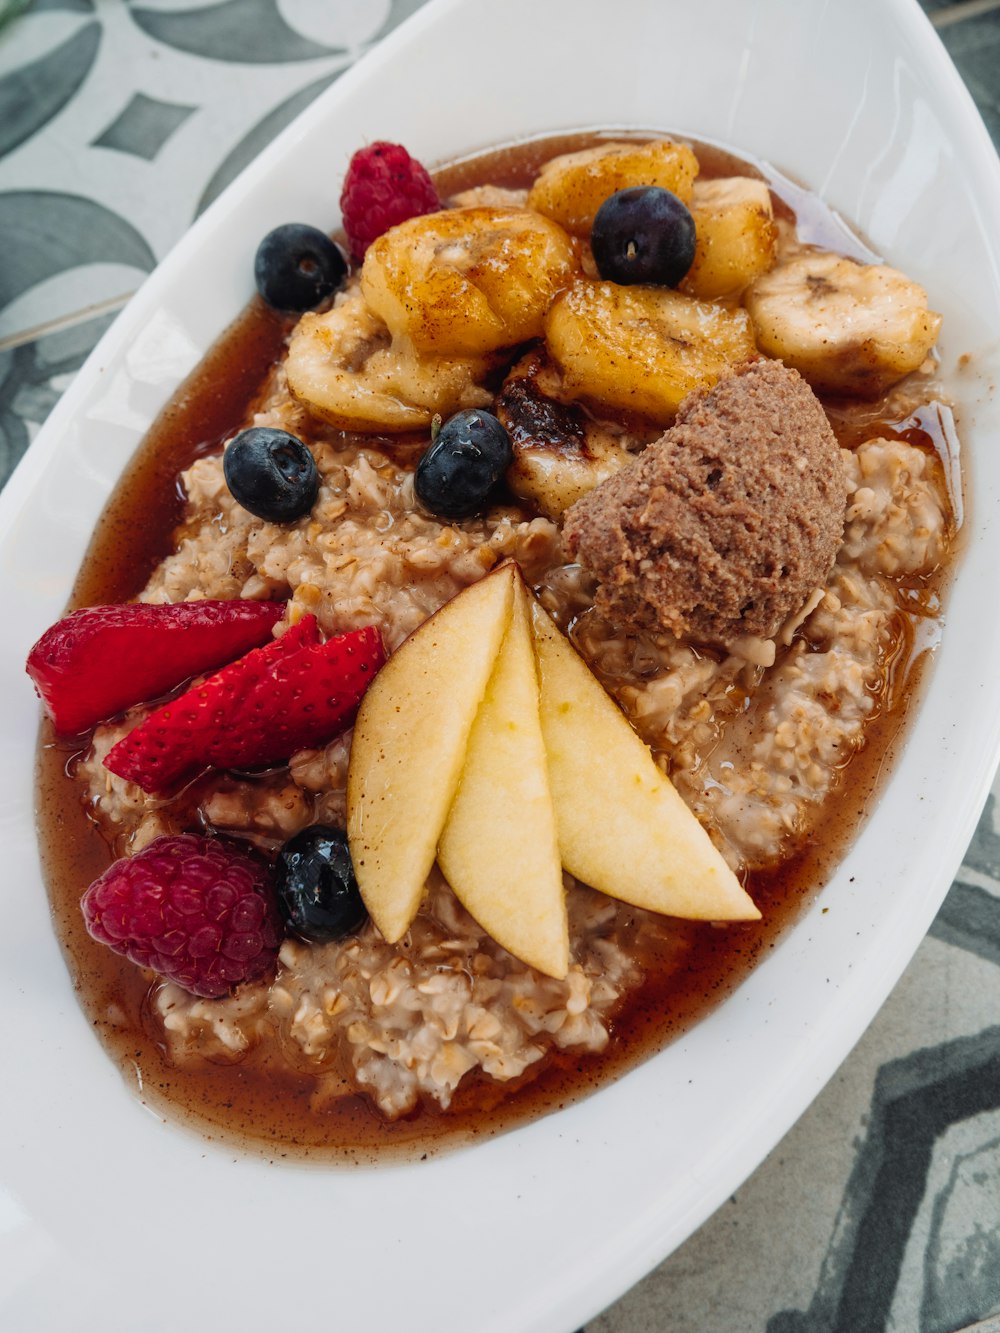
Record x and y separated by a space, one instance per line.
263 1108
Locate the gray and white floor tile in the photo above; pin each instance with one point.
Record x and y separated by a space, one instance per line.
119 123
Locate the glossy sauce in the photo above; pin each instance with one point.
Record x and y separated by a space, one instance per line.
264 1108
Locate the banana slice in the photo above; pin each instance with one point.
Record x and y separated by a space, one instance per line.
570 189
467 281
736 236
489 196
848 328
559 452
642 349
347 369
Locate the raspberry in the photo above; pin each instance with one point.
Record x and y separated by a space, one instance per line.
384 186
192 909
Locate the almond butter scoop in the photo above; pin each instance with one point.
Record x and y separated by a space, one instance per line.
728 522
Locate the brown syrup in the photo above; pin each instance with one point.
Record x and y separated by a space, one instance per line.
266 1109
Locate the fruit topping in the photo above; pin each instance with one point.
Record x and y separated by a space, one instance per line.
345 367
193 909
571 188
737 237
498 849
271 474
468 281
103 659
608 794
384 186
642 349
488 740
643 234
847 328
297 266
293 694
409 745
560 451
317 891
465 464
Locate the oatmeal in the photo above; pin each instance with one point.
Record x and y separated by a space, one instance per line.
753 712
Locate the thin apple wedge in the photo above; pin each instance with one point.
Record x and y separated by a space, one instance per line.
409 746
499 850
622 827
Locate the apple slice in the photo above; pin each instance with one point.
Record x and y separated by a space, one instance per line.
499 850
622 827
409 745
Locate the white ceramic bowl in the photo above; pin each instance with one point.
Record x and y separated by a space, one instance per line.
110 1220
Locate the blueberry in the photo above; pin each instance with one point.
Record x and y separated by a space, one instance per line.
317 891
464 465
643 234
271 474
297 266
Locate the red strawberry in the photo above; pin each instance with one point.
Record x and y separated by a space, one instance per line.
294 693
384 186
101 660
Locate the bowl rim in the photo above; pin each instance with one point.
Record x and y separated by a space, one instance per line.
627 1255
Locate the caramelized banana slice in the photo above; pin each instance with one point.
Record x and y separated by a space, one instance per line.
346 369
489 196
467 281
559 452
642 349
736 236
570 189
848 328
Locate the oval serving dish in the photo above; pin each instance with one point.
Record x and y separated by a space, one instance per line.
111 1221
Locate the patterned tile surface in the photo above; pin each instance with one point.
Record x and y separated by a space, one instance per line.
33 375
974 45
880 1211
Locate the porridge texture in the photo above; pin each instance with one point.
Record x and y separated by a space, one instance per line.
753 744
753 686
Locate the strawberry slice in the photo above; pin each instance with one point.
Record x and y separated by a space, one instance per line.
99 661
294 693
